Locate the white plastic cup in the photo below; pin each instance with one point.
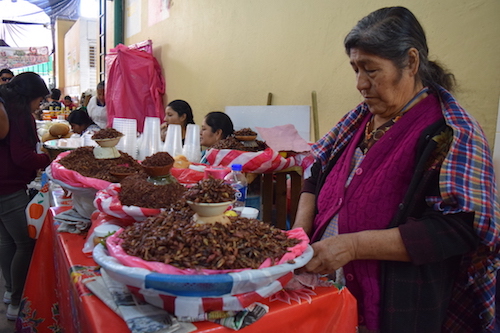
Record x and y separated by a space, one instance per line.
128 127
192 149
173 140
151 139
248 212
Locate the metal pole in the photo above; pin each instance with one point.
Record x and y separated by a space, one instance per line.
119 22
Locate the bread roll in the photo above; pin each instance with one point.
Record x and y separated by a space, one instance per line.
59 130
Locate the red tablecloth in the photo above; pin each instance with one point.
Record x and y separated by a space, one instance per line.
55 299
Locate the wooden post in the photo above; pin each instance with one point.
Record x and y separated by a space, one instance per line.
315 116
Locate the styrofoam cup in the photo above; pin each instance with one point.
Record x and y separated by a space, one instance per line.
248 212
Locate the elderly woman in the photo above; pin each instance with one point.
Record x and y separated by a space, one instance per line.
96 106
401 201
177 112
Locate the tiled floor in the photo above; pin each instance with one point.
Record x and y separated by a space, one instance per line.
6 326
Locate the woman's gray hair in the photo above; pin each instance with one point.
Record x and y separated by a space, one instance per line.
390 33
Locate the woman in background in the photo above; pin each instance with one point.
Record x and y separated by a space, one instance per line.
96 107
68 102
177 112
19 166
81 122
216 126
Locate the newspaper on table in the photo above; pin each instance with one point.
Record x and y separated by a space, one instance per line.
71 221
235 320
139 317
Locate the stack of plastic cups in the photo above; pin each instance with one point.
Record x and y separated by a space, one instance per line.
173 140
192 149
151 139
128 143
87 140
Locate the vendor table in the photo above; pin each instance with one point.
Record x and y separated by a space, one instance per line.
56 300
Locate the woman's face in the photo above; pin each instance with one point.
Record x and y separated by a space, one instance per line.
172 117
207 137
78 128
385 88
101 96
35 104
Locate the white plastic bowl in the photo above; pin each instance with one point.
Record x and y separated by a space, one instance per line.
197 285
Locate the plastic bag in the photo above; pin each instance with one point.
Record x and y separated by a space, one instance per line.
267 160
83 189
135 86
193 307
36 211
187 176
73 178
98 219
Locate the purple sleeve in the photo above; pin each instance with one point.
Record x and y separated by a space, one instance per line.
436 236
310 184
23 154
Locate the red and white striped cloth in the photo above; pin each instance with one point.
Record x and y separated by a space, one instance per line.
264 161
107 201
194 307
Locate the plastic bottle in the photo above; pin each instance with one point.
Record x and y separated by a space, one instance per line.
239 182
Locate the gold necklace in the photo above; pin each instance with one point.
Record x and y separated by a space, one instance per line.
380 131
376 134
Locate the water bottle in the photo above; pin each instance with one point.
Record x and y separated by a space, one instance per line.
238 181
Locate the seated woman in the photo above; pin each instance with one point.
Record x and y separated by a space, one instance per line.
81 122
177 112
216 126
68 102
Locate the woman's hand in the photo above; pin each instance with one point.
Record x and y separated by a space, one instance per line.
331 254
334 252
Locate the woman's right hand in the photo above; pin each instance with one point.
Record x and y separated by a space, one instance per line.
331 254
334 252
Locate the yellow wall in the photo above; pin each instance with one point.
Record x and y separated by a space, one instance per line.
234 52
72 42
61 28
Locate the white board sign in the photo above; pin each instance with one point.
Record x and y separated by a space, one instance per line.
272 115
